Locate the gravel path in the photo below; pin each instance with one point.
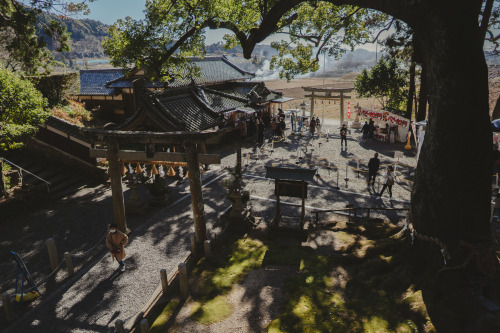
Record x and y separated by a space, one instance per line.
160 239
103 294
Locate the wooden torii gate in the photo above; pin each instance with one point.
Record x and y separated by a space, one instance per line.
326 92
191 142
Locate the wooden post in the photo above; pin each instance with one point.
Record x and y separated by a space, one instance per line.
69 263
303 213
208 249
193 245
164 280
115 174
278 207
7 306
200 227
144 326
183 280
341 109
51 247
119 326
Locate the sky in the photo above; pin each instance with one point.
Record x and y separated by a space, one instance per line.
109 11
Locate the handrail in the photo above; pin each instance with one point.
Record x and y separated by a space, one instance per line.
355 209
22 169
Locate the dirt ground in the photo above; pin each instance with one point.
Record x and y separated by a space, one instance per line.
331 108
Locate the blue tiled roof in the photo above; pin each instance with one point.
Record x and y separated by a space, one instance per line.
179 109
220 102
252 91
124 82
194 115
108 81
93 82
215 70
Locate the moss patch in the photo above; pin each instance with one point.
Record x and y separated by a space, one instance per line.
211 311
215 278
162 319
368 290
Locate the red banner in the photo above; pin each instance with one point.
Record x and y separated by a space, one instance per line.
385 116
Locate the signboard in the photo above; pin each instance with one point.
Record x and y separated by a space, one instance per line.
290 188
385 116
348 109
398 154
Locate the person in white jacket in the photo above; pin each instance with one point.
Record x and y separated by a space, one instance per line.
388 182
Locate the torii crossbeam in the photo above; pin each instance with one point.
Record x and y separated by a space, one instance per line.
113 139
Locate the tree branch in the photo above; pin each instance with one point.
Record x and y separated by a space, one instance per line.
485 20
387 27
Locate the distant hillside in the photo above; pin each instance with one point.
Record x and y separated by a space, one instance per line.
86 38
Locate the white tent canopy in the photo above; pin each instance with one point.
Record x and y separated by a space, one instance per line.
382 117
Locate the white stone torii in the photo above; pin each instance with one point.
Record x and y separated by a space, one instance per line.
327 91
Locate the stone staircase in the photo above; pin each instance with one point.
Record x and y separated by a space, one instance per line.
55 179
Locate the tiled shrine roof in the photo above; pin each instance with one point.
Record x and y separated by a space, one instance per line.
213 70
64 127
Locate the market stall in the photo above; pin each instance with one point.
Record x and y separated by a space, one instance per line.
389 127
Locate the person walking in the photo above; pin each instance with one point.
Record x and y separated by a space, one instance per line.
260 132
318 124
312 126
301 122
343 136
282 127
115 242
274 125
388 182
366 131
371 128
373 166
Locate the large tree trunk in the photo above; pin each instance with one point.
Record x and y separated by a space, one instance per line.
452 190
422 96
411 89
496 110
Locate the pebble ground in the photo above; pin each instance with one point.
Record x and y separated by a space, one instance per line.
160 237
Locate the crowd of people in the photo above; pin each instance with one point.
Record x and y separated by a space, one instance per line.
256 124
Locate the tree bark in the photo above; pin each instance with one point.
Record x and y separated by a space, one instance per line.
422 96
411 89
455 157
452 191
496 110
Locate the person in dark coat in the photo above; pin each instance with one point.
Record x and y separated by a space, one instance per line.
312 126
260 133
373 166
366 131
343 136
371 127
282 127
